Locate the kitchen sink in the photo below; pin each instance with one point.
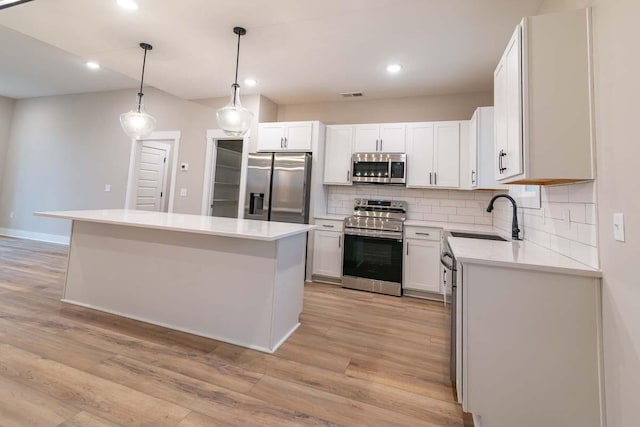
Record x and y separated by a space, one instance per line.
478 236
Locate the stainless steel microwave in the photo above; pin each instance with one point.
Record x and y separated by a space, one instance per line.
379 168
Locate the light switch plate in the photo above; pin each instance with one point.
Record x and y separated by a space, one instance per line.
183 192
618 227
107 188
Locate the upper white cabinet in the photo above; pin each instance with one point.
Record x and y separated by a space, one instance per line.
542 97
338 150
480 171
433 154
380 138
285 136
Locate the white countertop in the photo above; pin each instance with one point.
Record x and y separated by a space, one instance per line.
450 226
517 254
214 226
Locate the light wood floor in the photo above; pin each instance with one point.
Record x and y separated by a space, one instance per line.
358 359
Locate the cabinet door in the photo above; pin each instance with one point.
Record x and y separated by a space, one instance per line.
499 116
471 174
367 138
447 154
271 137
421 265
508 109
420 148
298 136
392 138
327 253
338 149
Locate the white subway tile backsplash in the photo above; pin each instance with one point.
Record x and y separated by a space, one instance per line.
566 223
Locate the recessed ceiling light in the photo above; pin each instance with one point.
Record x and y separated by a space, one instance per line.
250 82
92 65
394 68
128 4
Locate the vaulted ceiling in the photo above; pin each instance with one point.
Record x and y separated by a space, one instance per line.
297 50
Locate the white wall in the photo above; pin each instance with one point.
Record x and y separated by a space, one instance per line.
6 113
412 109
64 149
617 66
617 70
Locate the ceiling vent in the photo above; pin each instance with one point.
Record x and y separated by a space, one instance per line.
351 94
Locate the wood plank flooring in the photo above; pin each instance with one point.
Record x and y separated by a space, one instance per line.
358 359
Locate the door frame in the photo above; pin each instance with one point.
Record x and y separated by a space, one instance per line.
213 136
170 137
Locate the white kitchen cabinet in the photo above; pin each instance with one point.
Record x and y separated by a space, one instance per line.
543 102
433 154
285 136
531 339
338 150
327 250
480 171
421 261
380 138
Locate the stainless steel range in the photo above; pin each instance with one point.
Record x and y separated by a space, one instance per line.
373 242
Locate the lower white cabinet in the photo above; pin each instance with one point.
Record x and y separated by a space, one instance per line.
327 249
422 260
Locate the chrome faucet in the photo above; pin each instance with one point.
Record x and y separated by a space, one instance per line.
515 231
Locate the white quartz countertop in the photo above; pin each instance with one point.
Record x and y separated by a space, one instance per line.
517 254
214 226
450 226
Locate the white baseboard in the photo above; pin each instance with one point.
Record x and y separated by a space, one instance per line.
32 235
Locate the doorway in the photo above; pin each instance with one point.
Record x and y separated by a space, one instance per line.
225 175
152 172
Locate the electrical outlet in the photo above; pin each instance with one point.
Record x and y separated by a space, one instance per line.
107 188
11 215
183 192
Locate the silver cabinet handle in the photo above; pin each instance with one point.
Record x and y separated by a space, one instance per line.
407 248
286 142
430 177
423 234
339 241
348 175
328 226
473 179
281 142
377 145
435 178
380 144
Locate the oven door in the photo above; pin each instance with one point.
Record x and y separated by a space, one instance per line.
373 255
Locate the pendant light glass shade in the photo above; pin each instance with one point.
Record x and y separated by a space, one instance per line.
138 123
233 119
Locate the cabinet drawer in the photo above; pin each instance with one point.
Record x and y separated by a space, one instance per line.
423 233
329 225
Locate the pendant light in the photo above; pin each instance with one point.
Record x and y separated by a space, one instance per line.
139 124
233 119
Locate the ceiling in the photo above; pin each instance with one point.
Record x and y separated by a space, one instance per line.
298 50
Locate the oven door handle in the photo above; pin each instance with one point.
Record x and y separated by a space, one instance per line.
443 261
388 235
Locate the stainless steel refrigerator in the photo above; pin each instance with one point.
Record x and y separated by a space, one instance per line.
278 187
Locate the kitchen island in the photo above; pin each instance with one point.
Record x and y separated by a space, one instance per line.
233 280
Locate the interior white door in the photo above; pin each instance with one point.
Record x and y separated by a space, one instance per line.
447 154
151 176
420 148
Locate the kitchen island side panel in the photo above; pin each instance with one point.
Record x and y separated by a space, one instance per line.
217 287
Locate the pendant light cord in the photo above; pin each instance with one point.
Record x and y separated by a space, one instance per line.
235 85
140 94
